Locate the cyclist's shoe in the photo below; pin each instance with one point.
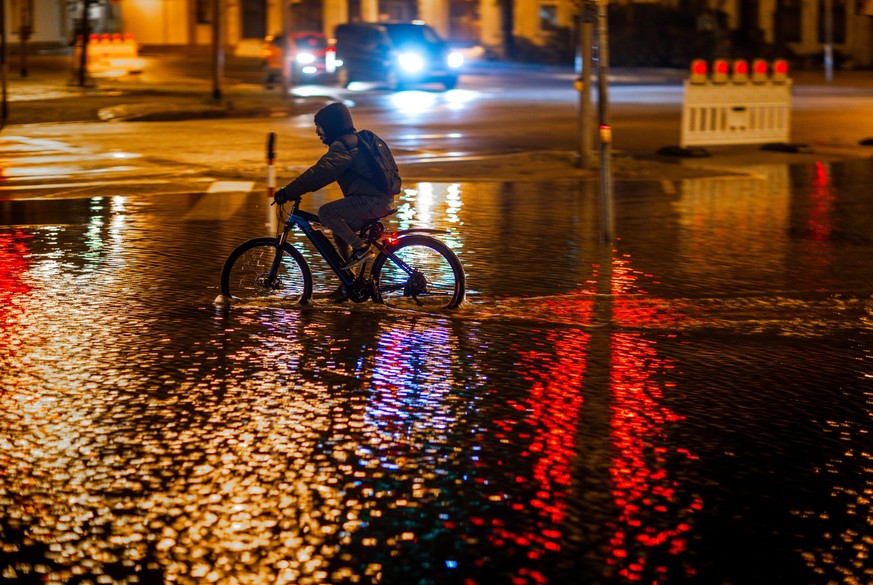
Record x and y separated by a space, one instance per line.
358 256
339 295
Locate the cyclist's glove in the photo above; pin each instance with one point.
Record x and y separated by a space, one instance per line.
282 195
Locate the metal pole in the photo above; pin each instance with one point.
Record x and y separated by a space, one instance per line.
25 29
4 112
829 40
217 51
271 159
286 50
587 16
86 33
605 134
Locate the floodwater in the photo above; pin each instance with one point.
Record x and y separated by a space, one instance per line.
691 404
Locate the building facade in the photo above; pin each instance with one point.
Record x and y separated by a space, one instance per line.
805 27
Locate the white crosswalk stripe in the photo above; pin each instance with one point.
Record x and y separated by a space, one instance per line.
47 168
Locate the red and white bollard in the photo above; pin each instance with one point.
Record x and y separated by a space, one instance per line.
271 158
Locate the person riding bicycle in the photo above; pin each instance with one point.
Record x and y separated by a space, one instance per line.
346 164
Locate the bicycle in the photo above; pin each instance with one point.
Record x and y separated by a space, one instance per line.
411 270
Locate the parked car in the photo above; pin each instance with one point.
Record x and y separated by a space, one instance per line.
312 56
398 54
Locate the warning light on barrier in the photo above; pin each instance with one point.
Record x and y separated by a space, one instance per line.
759 71
740 72
699 70
720 70
780 71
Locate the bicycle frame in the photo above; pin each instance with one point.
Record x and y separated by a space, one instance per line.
304 220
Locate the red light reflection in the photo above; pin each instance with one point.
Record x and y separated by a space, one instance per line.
652 518
14 256
547 432
819 226
822 200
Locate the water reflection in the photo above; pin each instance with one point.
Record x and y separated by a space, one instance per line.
655 511
644 414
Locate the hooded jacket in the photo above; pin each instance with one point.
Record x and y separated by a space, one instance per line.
343 162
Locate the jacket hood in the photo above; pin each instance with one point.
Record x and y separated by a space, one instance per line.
335 119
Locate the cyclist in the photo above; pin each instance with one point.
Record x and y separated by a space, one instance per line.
346 164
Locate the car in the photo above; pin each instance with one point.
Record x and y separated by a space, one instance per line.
397 54
311 57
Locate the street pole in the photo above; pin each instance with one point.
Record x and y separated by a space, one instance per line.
286 50
587 17
25 29
4 112
829 40
217 51
605 134
86 33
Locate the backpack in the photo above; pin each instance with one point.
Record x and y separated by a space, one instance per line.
382 164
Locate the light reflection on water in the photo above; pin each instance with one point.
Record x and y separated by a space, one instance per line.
650 411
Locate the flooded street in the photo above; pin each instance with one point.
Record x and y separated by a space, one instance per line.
691 404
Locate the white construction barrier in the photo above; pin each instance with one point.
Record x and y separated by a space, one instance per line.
735 110
111 54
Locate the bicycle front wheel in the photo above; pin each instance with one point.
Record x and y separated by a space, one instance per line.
248 273
419 272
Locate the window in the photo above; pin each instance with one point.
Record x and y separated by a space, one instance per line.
548 17
789 21
204 11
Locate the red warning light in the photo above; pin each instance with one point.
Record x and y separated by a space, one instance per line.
741 71
760 71
720 71
698 71
780 71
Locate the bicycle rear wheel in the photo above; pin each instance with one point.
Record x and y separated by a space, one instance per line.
428 275
246 273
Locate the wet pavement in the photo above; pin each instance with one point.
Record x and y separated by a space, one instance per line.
690 404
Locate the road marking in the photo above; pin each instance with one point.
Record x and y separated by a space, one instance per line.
231 187
44 186
219 206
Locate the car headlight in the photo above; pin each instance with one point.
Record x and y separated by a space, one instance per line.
455 59
410 62
305 58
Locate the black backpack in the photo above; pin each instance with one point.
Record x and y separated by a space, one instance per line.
382 164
